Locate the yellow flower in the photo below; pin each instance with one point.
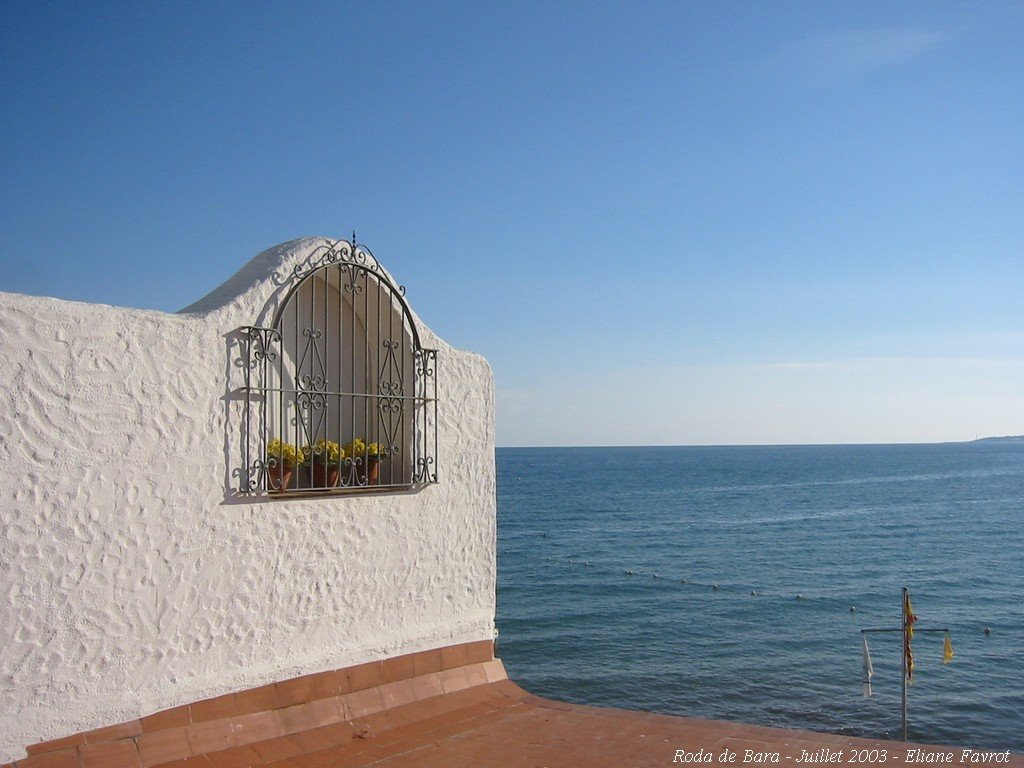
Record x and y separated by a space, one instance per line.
357 448
325 452
283 452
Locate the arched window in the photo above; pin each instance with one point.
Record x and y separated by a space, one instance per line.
340 395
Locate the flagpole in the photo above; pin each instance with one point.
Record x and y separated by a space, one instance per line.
906 629
903 610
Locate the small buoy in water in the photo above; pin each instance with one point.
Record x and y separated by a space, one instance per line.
654 575
629 573
586 564
715 586
988 630
853 609
683 580
753 592
799 597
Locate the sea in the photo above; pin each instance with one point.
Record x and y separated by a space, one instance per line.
732 583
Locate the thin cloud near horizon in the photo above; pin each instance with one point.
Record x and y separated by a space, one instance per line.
838 54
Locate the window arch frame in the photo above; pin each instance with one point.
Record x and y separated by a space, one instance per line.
296 402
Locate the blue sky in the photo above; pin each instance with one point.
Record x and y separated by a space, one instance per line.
662 223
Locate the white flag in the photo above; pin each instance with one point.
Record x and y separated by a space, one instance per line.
868 671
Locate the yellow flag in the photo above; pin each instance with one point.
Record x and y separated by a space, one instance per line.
947 650
909 616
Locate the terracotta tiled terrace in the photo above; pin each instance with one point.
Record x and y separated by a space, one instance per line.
447 708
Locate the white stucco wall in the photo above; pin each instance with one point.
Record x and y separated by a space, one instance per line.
133 579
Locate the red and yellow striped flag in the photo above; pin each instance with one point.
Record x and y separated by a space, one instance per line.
909 617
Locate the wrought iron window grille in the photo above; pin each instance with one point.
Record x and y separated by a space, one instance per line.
339 394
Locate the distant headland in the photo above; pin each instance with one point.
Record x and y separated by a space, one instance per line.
1006 439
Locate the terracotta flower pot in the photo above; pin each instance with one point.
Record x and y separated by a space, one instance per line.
368 471
323 475
372 471
279 476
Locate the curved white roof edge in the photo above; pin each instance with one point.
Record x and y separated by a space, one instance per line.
253 292
274 265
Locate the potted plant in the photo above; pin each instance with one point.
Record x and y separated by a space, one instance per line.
365 460
323 460
281 460
374 453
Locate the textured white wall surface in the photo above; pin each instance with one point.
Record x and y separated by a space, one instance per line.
134 578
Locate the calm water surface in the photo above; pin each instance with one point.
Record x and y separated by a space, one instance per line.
838 526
